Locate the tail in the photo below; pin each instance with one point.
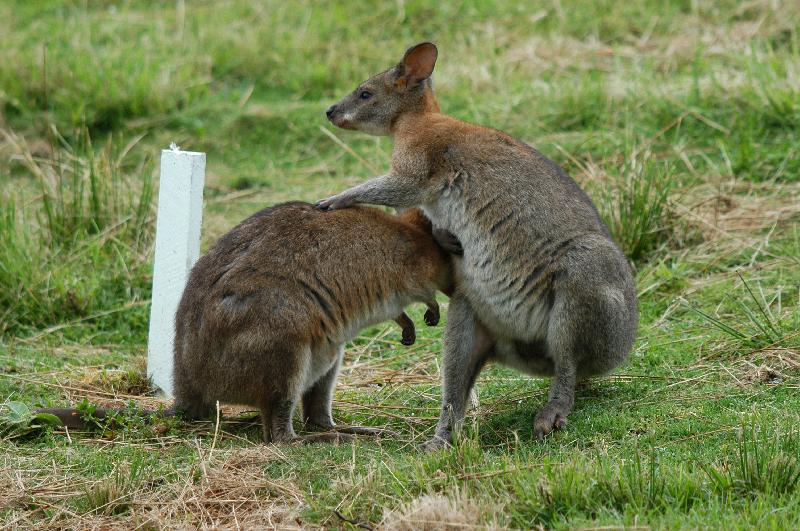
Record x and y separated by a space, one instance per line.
72 418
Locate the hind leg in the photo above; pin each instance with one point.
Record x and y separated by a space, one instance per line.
276 417
278 403
283 378
561 399
590 333
317 404
432 313
317 399
467 347
563 344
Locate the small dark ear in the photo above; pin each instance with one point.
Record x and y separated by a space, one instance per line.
417 65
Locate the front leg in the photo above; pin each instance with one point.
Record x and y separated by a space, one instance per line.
392 190
467 347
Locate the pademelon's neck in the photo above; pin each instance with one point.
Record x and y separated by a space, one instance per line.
408 123
429 102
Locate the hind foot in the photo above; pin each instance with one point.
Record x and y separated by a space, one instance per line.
324 438
434 444
553 416
355 430
361 430
448 241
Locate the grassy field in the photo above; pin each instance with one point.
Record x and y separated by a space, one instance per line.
681 119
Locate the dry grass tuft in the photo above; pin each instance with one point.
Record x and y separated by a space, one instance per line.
231 492
669 52
130 382
435 512
741 209
770 366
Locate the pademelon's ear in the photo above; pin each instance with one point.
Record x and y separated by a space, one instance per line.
417 65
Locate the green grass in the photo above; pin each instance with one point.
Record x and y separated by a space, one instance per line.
81 247
680 119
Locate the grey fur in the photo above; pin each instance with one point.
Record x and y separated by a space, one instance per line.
541 285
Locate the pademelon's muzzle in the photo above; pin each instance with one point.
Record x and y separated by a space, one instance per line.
338 118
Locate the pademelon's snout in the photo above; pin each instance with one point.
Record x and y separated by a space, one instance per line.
330 111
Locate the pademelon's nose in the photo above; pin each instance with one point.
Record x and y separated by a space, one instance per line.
330 111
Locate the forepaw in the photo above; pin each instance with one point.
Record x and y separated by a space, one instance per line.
432 316
550 417
409 336
334 203
448 241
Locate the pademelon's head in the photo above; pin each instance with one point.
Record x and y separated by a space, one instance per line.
376 104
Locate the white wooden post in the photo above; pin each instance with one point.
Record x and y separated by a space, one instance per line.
180 213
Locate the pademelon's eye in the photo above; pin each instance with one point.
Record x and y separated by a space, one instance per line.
365 95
